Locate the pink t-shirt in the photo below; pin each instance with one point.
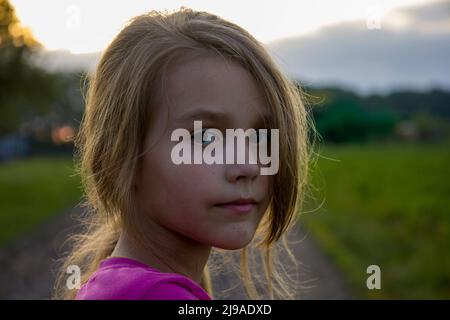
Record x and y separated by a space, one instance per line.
120 278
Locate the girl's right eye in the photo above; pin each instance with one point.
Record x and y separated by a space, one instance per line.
206 136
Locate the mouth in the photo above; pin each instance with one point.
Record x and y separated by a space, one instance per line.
239 206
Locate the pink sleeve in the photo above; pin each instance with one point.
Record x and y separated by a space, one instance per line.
173 290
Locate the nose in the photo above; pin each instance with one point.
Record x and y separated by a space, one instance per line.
236 172
243 171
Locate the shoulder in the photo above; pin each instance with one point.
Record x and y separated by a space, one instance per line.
175 288
135 283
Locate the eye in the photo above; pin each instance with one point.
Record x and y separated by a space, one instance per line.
207 136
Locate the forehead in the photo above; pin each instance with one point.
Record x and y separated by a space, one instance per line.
215 84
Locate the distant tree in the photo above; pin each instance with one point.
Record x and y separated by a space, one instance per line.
342 116
24 88
407 104
12 33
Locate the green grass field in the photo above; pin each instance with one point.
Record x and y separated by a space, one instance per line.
388 206
34 189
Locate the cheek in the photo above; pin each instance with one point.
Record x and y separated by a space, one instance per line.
164 186
179 197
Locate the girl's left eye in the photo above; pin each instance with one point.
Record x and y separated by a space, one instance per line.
207 136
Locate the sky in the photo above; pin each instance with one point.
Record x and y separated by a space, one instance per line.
82 26
409 48
367 46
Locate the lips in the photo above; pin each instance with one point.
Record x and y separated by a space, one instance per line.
239 205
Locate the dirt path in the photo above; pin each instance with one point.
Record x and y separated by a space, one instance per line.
27 268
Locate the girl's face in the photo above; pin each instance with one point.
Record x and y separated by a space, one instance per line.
184 198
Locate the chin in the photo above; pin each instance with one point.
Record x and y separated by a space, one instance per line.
231 246
233 242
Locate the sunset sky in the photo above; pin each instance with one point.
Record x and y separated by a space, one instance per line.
82 26
367 45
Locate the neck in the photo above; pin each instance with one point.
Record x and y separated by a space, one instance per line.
167 251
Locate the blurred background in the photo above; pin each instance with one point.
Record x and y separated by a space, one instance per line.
377 81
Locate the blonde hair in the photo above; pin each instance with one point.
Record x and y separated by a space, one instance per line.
118 109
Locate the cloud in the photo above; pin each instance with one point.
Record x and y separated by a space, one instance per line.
414 55
434 12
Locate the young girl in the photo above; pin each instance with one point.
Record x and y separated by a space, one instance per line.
152 224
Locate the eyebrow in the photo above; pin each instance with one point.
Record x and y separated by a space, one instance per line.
217 116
